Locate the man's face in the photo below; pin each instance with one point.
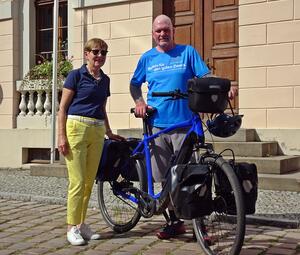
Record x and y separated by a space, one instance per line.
163 34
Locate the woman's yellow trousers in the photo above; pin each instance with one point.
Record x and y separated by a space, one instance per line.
86 144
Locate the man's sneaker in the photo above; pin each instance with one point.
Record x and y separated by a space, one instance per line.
87 233
74 237
171 230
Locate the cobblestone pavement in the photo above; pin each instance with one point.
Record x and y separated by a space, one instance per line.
35 228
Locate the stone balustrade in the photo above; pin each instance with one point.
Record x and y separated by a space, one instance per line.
35 102
35 97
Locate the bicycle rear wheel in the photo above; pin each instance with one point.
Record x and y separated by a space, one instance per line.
119 213
223 231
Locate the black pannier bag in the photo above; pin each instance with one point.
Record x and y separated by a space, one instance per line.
115 160
191 190
208 95
247 176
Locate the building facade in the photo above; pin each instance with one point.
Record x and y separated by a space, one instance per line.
268 64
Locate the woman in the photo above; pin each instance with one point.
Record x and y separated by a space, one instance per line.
82 124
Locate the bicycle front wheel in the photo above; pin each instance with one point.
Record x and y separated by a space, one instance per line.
223 231
119 213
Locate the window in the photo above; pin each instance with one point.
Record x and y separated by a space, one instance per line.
44 29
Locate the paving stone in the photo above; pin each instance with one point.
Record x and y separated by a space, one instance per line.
37 251
6 252
278 251
133 248
20 246
251 252
42 231
292 246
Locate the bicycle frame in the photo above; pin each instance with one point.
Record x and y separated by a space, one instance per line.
196 128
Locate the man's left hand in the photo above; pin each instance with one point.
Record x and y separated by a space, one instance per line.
233 92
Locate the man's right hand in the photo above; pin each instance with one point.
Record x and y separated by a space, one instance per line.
140 109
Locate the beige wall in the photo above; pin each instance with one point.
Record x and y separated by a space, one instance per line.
8 69
269 63
269 67
126 28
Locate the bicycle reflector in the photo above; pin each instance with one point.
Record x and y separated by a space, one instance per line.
224 125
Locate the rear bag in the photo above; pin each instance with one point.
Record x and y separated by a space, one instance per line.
116 160
247 176
191 190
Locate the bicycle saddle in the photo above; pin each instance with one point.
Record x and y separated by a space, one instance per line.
224 125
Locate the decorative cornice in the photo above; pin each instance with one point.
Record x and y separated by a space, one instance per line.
89 3
5 9
37 85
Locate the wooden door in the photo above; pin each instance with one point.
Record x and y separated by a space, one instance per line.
221 39
187 19
211 26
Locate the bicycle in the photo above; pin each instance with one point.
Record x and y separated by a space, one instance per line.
122 202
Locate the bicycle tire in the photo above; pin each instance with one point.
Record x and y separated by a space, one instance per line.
222 232
120 214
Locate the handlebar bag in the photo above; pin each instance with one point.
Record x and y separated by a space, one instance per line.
191 190
208 95
247 176
116 160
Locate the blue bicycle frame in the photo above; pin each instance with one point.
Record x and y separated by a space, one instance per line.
196 127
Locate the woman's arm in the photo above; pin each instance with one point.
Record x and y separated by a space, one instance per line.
66 99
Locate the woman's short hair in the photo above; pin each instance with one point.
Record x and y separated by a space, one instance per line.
95 42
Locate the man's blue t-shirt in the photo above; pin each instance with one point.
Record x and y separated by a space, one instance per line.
166 72
90 94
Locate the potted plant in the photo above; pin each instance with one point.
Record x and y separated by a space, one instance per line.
39 77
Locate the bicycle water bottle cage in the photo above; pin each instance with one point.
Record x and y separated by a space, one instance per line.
224 125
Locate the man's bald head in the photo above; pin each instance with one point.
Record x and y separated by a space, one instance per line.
163 33
162 19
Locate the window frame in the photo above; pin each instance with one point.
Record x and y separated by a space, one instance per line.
42 53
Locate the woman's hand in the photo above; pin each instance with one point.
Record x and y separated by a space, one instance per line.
113 136
63 145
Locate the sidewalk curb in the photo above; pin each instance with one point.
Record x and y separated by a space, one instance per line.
273 222
250 219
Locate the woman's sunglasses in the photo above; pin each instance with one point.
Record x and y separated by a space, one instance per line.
102 52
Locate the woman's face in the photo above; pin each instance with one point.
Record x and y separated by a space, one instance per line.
96 57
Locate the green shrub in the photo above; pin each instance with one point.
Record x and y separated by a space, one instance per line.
44 70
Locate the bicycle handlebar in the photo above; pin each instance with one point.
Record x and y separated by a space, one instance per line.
176 94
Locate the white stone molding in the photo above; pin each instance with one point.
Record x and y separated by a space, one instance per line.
39 105
30 104
22 105
47 104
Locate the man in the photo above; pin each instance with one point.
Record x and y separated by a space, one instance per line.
165 68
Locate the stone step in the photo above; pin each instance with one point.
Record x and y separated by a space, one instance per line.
265 165
249 149
242 135
54 170
283 182
280 164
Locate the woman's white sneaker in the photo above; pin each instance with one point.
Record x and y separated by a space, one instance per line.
87 233
74 237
